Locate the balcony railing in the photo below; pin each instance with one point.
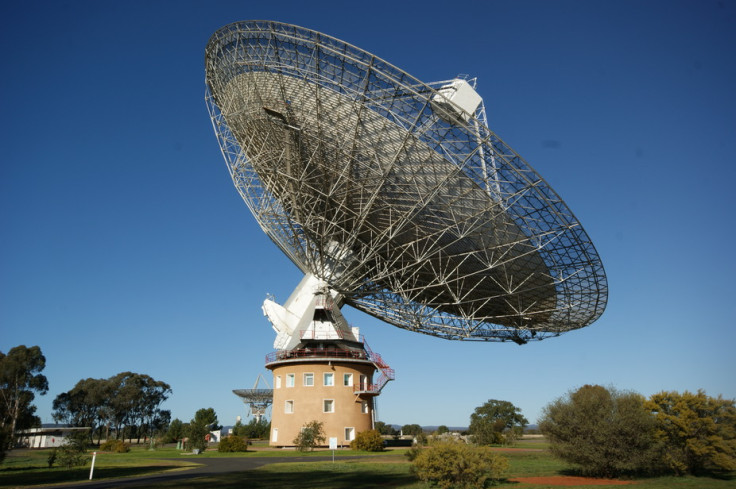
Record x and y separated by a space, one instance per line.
387 373
279 355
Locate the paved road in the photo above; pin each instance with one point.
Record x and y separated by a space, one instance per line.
210 466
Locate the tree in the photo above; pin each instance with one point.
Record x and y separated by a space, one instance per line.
175 431
207 417
385 429
698 431
412 429
496 422
84 405
153 392
20 377
253 430
205 420
160 423
197 434
453 464
128 402
442 429
604 431
310 436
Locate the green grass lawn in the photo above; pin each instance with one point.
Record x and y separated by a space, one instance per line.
388 469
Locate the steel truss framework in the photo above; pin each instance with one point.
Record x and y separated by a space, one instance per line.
431 224
257 399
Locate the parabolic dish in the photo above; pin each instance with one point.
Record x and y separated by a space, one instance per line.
425 220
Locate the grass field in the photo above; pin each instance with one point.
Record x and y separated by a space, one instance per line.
26 468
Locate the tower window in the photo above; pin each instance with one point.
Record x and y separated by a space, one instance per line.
328 406
308 380
347 380
289 407
350 434
329 379
289 380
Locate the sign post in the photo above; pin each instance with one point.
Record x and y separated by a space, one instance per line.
92 469
333 447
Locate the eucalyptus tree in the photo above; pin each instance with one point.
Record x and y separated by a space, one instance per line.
20 379
126 400
86 404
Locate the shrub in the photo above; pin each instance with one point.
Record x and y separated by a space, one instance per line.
71 454
412 453
698 432
458 465
4 442
51 459
233 444
604 431
115 446
368 441
310 436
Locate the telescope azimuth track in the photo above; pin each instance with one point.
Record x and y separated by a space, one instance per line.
394 192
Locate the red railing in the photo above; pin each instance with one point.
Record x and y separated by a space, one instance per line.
387 373
278 355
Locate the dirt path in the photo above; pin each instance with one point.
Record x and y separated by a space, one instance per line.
570 481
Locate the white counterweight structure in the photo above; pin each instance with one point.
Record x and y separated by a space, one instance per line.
322 369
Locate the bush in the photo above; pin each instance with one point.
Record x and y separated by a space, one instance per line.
604 431
115 446
71 454
368 441
413 452
458 465
698 432
310 436
4 443
51 459
233 444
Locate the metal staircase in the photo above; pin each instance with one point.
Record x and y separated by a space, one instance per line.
387 373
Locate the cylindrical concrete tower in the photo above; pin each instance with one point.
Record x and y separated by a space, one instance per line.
323 369
330 383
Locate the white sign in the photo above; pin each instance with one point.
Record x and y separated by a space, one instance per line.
333 443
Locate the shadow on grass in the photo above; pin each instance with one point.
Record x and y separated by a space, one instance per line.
301 479
645 476
28 476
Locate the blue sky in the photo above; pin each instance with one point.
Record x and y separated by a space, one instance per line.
124 245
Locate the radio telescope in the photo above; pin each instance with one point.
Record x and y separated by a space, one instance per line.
392 195
257 399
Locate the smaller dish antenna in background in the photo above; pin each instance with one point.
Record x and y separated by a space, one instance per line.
258 400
